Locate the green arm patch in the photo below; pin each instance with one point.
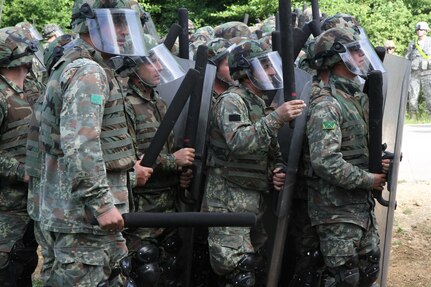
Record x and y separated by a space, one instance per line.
96 99
329 125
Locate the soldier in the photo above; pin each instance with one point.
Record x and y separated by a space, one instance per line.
231 30
243 159
341 206
218 50
18 257
51 32
200 37
419 53
87 150
389 46
146 110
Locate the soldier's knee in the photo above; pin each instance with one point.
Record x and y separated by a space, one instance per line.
244 274
308 270
171 265
145 267
346 275
370 267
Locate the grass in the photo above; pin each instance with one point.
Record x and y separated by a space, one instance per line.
407 211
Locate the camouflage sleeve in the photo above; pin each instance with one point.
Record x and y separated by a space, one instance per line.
325 148
167 162
241 135
409 50
80 128
10 167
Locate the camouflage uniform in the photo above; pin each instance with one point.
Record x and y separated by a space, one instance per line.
243 151
200 37
146 110
18 257
86 154
340 202
420 77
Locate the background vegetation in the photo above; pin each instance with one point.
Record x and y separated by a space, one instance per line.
382 19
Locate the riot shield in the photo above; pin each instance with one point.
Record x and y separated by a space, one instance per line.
277 214
189 236
398 79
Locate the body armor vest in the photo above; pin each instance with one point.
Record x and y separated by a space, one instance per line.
249 171
117 146
148 114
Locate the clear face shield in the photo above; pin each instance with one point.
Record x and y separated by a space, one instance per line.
117 32
371 53
360 58
150 28
266 72
160 67
35 34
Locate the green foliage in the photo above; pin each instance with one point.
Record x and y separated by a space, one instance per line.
39 12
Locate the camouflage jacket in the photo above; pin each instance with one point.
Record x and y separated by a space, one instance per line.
15 112
337 135
419 62
146 109
86 148
243 139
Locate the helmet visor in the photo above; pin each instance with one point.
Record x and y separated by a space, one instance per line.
117 32
35 34
266 72
160 67
360 58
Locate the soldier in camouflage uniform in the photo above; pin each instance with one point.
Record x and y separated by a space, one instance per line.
243 159
200 37
51 32
419 53
341 206
218 50
18 257
146 110
87 150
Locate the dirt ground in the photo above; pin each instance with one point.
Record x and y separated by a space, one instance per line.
410 259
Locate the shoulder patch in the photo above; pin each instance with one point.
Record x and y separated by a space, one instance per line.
96 99
329 125
234 118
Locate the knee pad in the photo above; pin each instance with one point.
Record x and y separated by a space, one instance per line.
145 268
346 275
250 262
308 270
243 279
172 244
370 267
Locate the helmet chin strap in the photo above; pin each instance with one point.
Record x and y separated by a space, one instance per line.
143 82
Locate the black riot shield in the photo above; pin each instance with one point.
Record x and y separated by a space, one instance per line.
398 79
192 240
277 214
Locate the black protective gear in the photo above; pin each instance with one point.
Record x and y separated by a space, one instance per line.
146 275
250 262
370 267
22 261
243 279
346 275
147 253
308 270
172 244
244 274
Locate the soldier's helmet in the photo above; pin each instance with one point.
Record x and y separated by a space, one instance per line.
422 26
341 45
51 30
262 67
16 47
231 30
341 20
268 26
218 49
55 50
113 26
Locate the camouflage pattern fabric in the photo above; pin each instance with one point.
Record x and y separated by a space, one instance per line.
231 29
146 110
245 132
16 47
342 21
337 132
83 259
341 241
268 26
50 30
80 177
238 57
190 27
420 77
200 37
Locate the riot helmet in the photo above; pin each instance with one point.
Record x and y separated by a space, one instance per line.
51 31
16 48
218 50
113 26
231 30
146 20
35 35
56 49
263 68
341 45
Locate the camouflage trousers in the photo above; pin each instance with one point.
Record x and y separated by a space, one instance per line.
339 242
419 83
81 259
227 245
